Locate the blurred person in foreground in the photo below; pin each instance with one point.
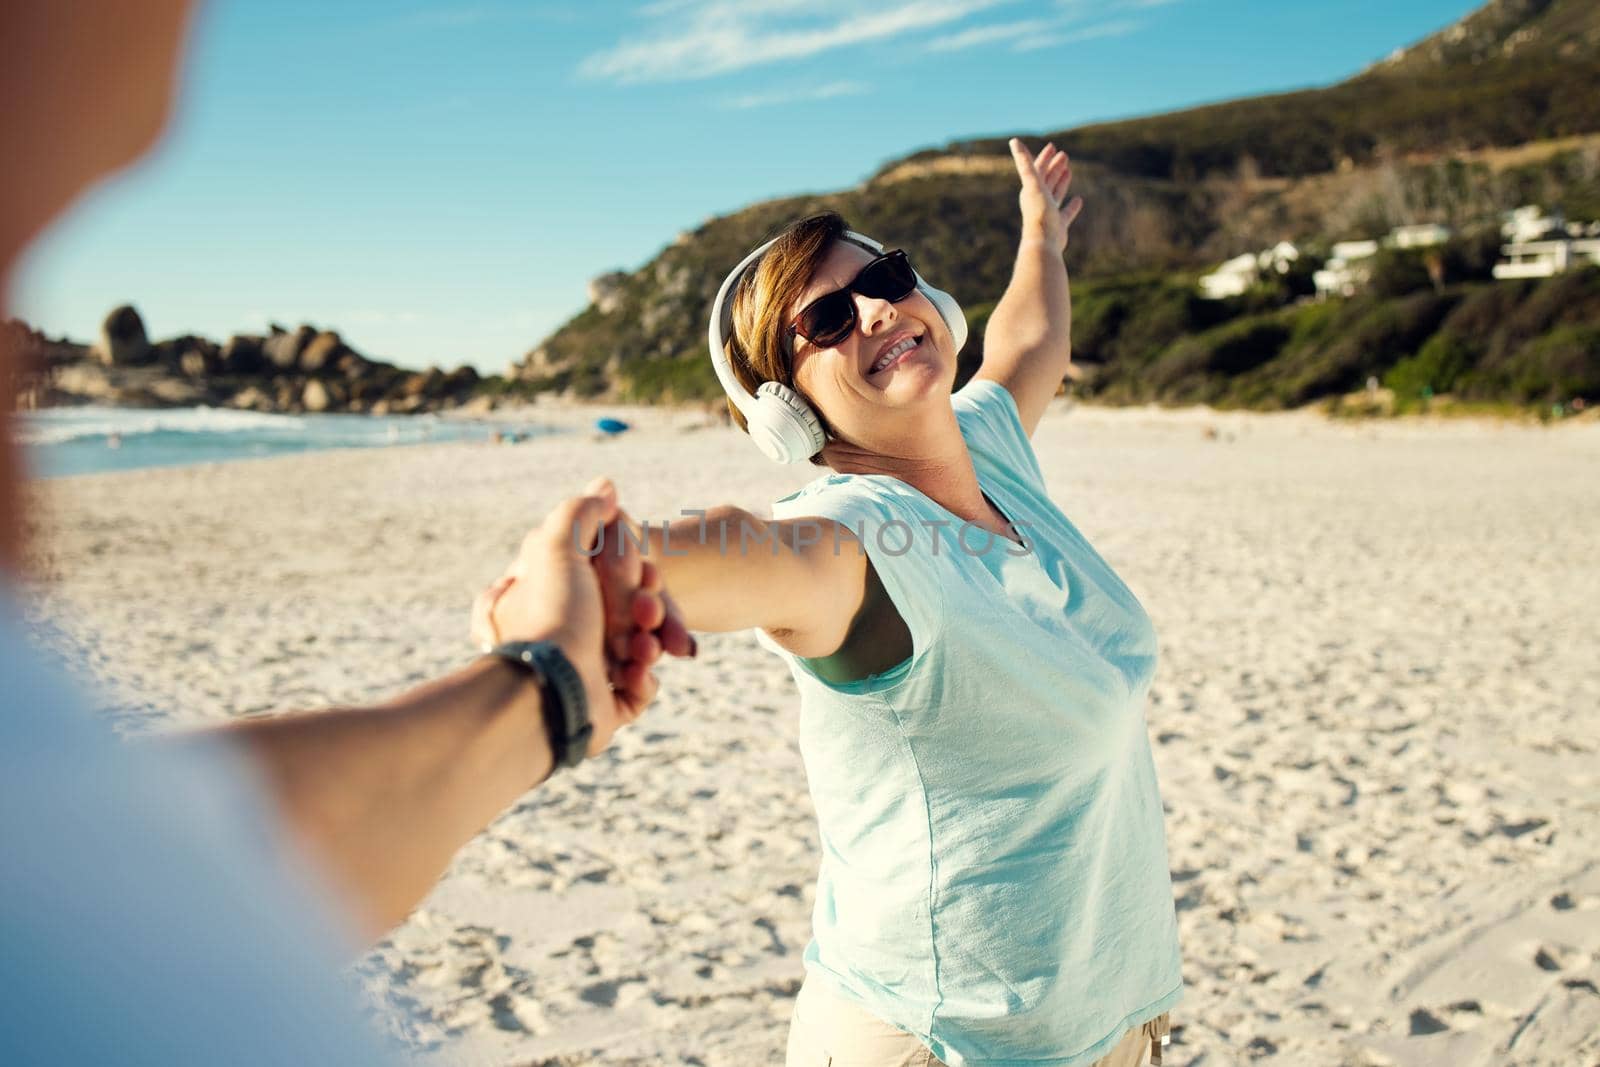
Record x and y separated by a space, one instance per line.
191 901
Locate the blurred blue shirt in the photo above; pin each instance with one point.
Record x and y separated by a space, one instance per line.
150 911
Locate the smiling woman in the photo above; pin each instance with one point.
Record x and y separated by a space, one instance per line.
972 675
800 299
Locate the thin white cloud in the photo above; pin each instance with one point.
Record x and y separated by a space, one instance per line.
1120 28
795 96
1028 35
978 35
718 37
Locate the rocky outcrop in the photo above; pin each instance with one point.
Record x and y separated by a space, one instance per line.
123 342
605 291
304 369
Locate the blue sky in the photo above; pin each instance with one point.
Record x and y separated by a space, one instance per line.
439 181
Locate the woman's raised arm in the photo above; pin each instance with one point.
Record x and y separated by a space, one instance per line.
1027 345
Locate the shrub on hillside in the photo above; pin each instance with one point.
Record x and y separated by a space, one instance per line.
1556 366
1198 367
1434 369
1367 338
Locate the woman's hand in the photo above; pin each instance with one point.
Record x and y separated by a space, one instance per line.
1046 212
608 612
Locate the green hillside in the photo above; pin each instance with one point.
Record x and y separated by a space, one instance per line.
1491 113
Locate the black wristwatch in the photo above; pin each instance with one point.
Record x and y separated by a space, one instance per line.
566 706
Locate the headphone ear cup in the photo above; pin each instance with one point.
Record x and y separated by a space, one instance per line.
784 426
949 310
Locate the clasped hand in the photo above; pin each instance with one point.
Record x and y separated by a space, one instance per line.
607 610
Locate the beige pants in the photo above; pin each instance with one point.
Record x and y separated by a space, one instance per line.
829 1031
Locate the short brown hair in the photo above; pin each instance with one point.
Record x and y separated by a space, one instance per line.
761 347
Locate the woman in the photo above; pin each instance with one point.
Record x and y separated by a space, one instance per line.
994 885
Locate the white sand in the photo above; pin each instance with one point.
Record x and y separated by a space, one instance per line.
1375 722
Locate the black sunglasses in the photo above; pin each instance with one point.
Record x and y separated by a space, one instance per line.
828 319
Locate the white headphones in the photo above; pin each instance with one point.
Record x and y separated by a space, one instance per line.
783 425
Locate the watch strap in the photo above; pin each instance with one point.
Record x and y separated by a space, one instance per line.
565 704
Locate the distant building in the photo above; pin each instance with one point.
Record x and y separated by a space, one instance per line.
1232 278
1529 223
1348 269
1242 271
1542 259
1541 245
1422 235
1345 271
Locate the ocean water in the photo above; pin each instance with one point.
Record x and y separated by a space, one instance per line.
85 440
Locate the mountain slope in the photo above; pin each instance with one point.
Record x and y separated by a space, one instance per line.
1453 129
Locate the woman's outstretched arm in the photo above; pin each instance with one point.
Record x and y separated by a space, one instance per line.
801 580
1027 346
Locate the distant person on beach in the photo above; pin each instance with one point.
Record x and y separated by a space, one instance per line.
972 675
192 901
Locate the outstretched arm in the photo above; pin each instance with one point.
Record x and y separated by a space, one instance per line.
1027 346
801 580
384 796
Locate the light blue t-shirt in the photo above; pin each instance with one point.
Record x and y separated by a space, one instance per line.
152 911
994 869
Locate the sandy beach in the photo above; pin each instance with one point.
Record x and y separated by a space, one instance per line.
1376 721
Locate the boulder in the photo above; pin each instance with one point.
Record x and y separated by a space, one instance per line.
177 392
367 389
353 365
91 381
286 395
251 398
406 405
321 352
242 355
320 395
194 364
462 380
123 342
422 383
283 349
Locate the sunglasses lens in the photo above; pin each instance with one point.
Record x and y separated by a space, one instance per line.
829 320
888 278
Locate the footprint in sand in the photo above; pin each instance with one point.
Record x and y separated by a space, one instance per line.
1555 957
1462 1015
1567 902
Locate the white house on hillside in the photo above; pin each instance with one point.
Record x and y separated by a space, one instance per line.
1345 271
1544 245
1529 223
1420 235
1242 271
1541 259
